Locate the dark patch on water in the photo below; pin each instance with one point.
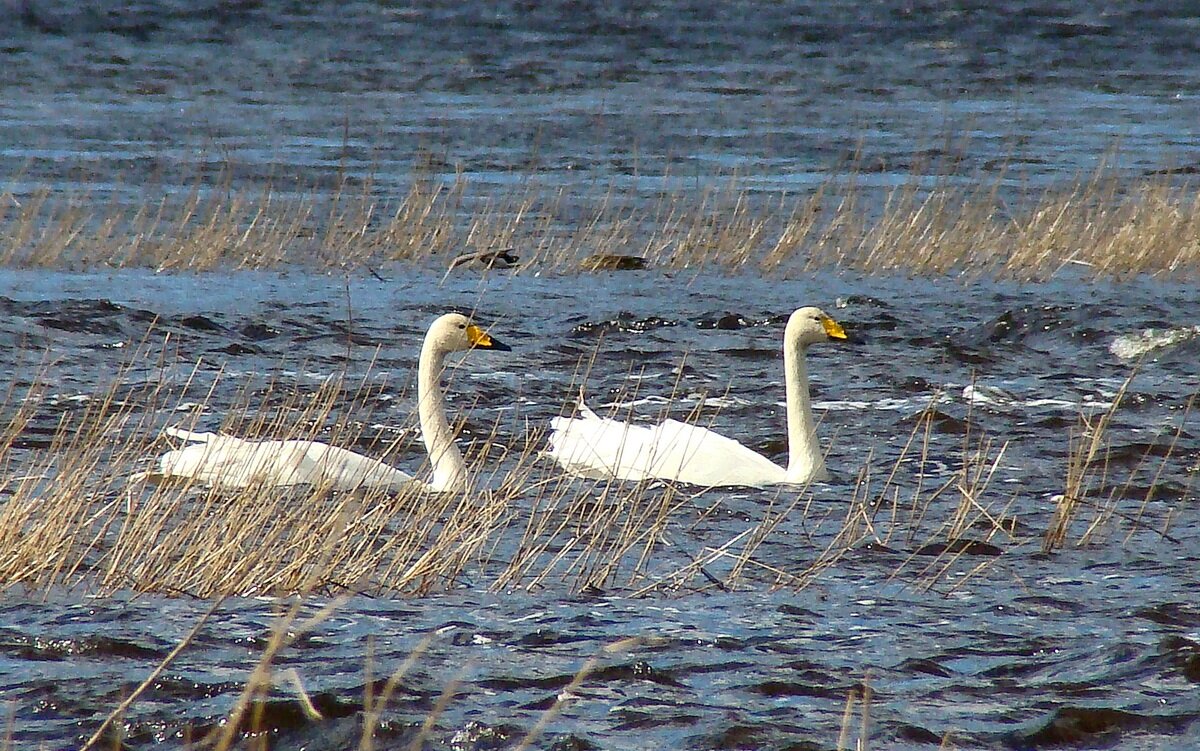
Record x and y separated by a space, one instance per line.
1173 614
27 647
1095 727
959 546
625 322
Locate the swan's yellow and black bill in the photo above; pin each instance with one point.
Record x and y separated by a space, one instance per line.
483 340
833 329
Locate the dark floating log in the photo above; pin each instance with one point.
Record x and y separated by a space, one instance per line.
612 262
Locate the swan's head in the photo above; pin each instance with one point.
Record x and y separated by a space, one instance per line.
811 325
454 332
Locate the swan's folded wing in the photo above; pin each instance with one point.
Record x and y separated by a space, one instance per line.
698 456
226 461
598 447
230 462
342 469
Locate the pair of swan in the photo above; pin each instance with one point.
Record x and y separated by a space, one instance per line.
590 445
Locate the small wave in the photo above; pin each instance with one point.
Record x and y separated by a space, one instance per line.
718 402
1018 324
656 400
648 376
1133 346
55 400
1061 403
1095 727
836 405
887 404
624 322
992 396
982 395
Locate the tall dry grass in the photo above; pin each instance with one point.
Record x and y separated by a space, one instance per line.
1094 486
1102 226
73 516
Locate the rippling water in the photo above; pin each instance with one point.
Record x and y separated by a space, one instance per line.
1092 644
997 645
577 98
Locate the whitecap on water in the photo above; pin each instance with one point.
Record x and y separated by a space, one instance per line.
889 404
718 402
647 376
981 394
1132 346
658 400
1049 402
997 397
835 405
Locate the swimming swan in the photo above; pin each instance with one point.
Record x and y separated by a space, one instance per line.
230 462
597 447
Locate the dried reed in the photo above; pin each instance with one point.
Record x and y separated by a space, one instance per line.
72 517
1102 226
1089 477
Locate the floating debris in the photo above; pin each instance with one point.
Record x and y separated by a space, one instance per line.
612 262
486 259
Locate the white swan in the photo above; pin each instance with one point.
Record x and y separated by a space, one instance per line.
597 447
230 462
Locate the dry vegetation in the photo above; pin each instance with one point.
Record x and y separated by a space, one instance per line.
74 516
1102 227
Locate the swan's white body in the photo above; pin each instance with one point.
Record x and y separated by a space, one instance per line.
598 447
230 462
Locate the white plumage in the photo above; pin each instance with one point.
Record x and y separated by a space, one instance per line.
230 462
598 447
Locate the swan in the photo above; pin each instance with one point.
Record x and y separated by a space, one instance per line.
596 447
231 462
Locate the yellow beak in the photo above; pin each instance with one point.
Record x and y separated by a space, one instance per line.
483 340
833 329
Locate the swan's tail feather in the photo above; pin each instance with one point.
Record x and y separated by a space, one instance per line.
230 462
584 409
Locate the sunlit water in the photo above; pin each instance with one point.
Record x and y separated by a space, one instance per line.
575 100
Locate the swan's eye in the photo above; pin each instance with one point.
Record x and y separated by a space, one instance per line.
462 326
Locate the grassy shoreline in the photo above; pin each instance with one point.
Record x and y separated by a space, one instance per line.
1104 227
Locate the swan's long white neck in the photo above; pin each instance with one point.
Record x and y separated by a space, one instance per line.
449 469
805 462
